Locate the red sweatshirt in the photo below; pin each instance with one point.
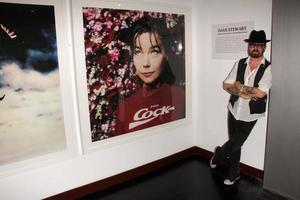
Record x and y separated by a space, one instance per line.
150 107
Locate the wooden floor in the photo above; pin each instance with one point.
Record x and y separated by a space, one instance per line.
191 179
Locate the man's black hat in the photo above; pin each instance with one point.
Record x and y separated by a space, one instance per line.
257 37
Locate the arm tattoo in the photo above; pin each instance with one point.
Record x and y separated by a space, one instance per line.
233 90
248 90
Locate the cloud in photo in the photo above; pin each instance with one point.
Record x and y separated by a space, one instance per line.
12 75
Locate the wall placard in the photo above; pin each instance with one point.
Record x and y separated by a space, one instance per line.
228 39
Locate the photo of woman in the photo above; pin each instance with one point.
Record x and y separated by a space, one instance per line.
156 101
135 64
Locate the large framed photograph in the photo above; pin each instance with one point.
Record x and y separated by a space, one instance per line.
37 121
132 61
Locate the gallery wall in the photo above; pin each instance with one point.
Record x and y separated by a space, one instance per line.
43 177
205 126
213 99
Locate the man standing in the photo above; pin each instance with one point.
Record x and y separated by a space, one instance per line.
248 84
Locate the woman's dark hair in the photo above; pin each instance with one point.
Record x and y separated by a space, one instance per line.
148 24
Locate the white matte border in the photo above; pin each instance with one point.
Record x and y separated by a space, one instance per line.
88 145
67 88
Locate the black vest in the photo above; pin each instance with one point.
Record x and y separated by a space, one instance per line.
258 106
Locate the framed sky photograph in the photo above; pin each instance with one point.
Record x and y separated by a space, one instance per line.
34 97
131 67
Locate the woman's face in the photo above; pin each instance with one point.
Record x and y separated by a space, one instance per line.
148 57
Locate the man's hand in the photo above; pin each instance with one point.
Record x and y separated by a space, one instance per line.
237 85
243 91
254 92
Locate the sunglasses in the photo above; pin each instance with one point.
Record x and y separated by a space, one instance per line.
259 45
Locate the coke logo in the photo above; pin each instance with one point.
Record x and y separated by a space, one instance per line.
145 113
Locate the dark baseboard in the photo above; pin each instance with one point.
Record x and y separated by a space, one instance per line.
145 169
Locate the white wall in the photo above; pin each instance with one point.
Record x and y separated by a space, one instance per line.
65 175
213 112
113 156
206 129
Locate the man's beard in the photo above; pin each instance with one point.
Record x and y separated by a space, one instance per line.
255 54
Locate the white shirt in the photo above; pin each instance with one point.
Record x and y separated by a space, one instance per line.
241 110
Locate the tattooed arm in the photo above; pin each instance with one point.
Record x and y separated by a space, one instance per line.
235 89
231 89
254 92
244 91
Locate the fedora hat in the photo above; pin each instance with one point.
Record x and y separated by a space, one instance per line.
257 37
